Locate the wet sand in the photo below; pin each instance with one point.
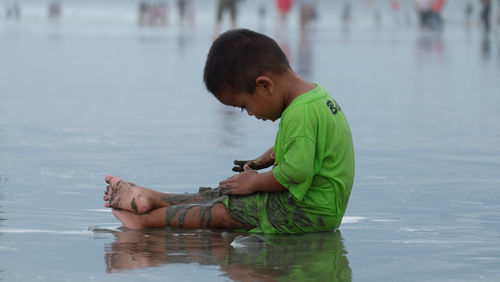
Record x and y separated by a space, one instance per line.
79 101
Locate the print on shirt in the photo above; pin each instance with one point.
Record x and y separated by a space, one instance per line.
334 107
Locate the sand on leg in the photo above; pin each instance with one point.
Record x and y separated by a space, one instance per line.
205 215
124 195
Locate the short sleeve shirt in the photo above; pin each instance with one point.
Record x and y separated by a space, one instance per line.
315 155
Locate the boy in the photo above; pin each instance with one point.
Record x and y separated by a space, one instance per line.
307 189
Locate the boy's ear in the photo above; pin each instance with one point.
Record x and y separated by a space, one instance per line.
264 82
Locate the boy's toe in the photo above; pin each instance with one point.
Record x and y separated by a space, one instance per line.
114 181
108 178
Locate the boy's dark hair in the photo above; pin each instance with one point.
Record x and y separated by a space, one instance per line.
237 57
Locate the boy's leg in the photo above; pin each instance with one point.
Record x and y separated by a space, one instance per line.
121 194
207 215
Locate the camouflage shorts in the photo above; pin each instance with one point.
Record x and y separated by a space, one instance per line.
273 212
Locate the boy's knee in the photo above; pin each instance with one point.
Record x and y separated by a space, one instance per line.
221 217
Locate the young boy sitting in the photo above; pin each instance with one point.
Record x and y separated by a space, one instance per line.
309 185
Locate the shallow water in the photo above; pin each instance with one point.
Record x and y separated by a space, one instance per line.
79 100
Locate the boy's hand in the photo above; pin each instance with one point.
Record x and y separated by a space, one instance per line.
239 166
259 163
239 184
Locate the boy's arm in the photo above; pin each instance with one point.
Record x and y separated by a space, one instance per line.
251 181
263 161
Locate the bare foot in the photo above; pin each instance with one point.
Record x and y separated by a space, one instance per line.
128 219
121 194
131 220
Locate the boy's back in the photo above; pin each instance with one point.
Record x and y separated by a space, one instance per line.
314 161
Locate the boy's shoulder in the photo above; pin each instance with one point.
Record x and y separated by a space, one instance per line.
314 98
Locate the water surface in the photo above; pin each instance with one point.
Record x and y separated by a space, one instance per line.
81 99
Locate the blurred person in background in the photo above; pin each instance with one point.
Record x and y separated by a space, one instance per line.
346 16
469 10
223 6
13 10
430 44
54 10
308 12
144 11
429 12
377 15
423 8
283 7
436 18
262 12
186 12
304 62
498 13
153 14
485 15
396 11
160 13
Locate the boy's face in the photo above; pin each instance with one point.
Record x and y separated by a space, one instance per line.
263 103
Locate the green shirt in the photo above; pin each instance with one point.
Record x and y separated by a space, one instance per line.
314 161
315 155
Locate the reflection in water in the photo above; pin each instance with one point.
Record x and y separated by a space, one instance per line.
54 10
152 14
184 38
3 180
498 45
304 64
346 17
228 126
315 256
485 47
1 214
430 47
13 10
186 13
284 44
